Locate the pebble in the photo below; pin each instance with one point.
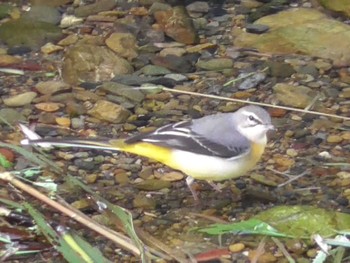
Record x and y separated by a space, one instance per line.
347 193
50 87
215 64
50 48
48 106
44 13
311 253
198 7
322 65
295 96
81 204
251 81
62 121
296 117
182 30
262 179
334 138
283 161
123 90
79 66
277 113
172 176
140 201
157 6
69 40
47 118
280 69
122 178
295 246
257 28
146 172
292 152
108 111
345 93
66 156
152 70
90 9
20 99
8 60
308 70
90 178
237 247
153 185
325 155
124 44
176 77
77 123
346 135
264 258
176 51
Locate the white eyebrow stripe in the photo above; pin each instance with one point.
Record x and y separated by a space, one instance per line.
252 113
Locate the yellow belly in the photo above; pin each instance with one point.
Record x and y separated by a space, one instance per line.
197 166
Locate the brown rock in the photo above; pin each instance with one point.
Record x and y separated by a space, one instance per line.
333 138
346 135
51 86
295 96
277 113
177 24
264 258
8 60
92 63
124 44
141 201
237 247
345 93
20 99
69 40
289 28
62 121
49 48
48 106
108 111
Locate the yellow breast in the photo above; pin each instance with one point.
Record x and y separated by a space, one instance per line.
256 152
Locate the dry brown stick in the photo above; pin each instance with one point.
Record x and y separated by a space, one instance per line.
85 221
256 103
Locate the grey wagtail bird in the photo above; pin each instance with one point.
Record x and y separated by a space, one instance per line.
213 148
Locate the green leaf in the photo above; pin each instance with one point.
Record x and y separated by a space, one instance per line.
73 248
4 162
252 226
288 221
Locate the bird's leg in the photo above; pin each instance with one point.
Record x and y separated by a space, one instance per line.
189 181
215 187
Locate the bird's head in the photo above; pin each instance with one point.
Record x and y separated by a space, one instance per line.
253 122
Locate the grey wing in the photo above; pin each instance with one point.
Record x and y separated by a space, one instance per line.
183 136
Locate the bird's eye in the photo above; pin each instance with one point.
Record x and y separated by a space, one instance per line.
251 118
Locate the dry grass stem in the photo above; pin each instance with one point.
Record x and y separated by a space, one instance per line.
257 103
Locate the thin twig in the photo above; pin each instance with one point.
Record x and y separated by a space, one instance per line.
256 103
76 216
260 250
295 177
283 250
313 101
